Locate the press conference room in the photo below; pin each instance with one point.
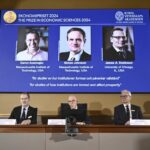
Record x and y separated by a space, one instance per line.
78 103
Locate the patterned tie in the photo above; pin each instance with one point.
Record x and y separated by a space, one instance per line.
127 112
73 59
122 55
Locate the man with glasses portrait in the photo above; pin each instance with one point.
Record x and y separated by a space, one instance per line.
121 48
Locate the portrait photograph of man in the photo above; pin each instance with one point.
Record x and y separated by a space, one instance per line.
32 44
75 44
118 43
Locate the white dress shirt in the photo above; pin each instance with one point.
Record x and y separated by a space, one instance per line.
40 55
130 111
75 57
26 110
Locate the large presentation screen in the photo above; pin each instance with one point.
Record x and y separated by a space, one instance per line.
79 50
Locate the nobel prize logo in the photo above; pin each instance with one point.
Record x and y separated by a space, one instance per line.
119 15
10 17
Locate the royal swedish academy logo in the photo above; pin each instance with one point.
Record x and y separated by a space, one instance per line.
119 15
10 17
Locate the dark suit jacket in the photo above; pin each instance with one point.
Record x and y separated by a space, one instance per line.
110 54
79 114
120 117
84 57
16 112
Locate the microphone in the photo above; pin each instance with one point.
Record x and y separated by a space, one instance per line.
71 131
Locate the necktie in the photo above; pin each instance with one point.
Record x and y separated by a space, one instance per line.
127 112
23 114
73 59
122 55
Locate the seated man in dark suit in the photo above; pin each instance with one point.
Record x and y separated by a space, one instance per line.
119 49
75 110
76 40
126 111
24 114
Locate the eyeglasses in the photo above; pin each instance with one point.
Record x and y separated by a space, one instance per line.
24 98
119 37
69 101
124 96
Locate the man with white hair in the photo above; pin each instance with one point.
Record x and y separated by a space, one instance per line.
126 111
75 110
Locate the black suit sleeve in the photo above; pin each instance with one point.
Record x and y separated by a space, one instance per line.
15 114
137 113
117 119
32 115
140 114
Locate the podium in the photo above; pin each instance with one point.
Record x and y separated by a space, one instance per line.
95 137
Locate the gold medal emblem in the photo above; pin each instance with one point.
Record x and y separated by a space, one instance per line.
10 17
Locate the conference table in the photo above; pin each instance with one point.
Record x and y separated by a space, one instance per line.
89 137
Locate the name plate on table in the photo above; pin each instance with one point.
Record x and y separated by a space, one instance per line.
56 121
7 121
140 122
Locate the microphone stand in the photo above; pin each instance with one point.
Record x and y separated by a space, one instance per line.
69 129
